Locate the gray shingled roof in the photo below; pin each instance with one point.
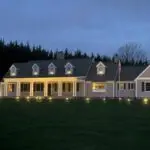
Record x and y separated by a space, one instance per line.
109 74
128 73
81 67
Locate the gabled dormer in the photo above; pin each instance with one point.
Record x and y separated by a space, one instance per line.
51 69
13 70
35 70
69 68
101 68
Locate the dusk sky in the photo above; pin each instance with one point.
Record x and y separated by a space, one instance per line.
90 25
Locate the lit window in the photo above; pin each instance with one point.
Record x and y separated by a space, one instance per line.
38 87
147 87
13 71
122 86
68 69
51 69
11 87
100 70
130 86
98 87
35 69
25 87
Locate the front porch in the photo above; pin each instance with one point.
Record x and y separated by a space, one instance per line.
59 87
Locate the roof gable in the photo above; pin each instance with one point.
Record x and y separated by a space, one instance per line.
144 74
51 65
100 64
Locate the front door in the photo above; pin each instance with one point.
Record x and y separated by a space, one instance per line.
49 89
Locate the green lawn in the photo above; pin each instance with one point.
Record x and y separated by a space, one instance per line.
74 126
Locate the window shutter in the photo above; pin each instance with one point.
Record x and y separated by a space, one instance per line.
124 86
142 86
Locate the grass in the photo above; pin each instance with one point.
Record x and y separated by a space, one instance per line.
74 126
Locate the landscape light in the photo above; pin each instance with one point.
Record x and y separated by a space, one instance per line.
128 100
104 99
50 99
120 98
145 100
17 98
39 99
67 99
87 100
27 97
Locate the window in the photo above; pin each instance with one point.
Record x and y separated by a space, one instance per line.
142 86
35 69
147 86
64 85
38 87
11 87
67 87
78 87
132 86
55 87
129 87
25 87
51 69
68 69
122 86
98 87
100 68
13 71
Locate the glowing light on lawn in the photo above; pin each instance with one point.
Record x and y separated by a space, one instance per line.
145 101
67 99
39 99
17 99
104 99
28 99
50 99
87 100
129 100
120 98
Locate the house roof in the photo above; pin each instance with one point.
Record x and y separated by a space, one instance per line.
128 73
81 66
109 75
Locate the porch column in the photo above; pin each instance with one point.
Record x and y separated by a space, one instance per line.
18 89
59 88
31 88
45 89
74 88
5 89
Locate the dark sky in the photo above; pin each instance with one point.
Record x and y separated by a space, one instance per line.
91 25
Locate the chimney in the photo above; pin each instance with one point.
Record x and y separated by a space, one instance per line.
60 55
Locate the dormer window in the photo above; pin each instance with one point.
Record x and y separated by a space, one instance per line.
68 68
101 68
35 69
51 69
13 70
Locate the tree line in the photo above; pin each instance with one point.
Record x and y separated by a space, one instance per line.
128 54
